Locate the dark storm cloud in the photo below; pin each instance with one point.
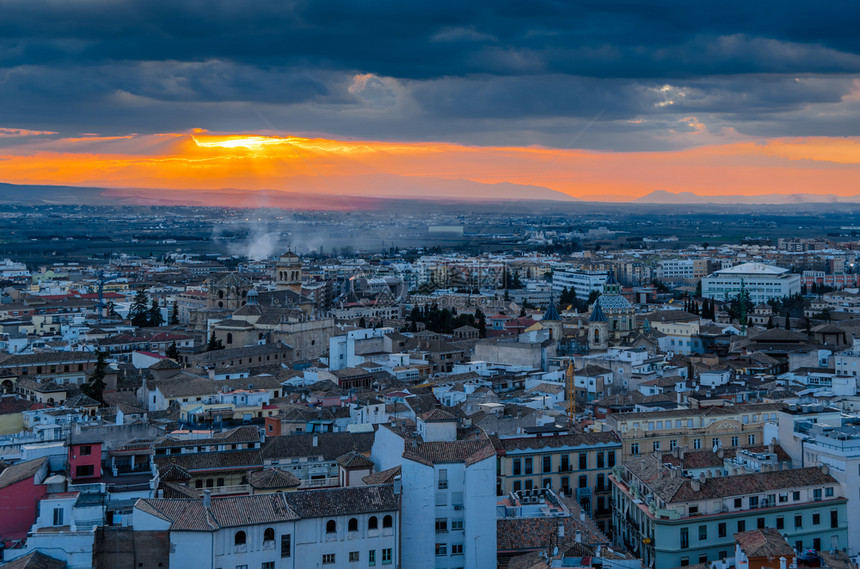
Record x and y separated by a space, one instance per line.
466 68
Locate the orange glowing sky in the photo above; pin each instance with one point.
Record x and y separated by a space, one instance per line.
200 160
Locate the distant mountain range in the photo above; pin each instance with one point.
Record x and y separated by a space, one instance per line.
378 192
664 197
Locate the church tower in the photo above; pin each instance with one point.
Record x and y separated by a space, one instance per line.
598 329
288 273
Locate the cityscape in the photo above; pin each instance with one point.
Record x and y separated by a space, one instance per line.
324 285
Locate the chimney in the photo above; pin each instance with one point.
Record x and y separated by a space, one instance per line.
160 493
696 484
560 531
721 453
825 469
207 498
316 441
582 515
681 453
398 485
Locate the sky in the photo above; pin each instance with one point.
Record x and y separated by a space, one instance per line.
599 100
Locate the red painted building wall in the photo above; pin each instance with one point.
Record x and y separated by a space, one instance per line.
85 461
19 504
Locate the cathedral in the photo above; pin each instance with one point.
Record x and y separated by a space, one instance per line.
240 315
612 317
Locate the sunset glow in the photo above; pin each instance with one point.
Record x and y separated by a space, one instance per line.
209 161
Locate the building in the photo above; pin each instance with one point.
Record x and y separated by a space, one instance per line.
583 283
762 282
315 528
569 463
693 429
669 520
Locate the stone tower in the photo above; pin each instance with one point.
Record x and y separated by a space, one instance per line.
598 329
288 273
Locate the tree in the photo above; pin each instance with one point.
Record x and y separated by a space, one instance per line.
155 317
172 352
214 343
139 313
481 320
699 289
787 322
770 323
95 385
174 314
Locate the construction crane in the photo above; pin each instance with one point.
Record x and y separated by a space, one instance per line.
570 394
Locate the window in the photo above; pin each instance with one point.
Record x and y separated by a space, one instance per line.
795 496
816 543
386 556
371 557
715 442
387 521
84 470
703 533
738 502
441 549
798 545
268 565
760 523
780 522
721 529
583 461
834 519
816 519
58 516
783 498
753 500
443 479
352 525
816 494
565 463
528 465
86 450
697 443
735 441
328 558
517 467
583 481
703 558
331 526
656 445
353 556
600 460
441 525
685 538
685 561
240 538
456 549
634 448
285 545
373 523
547 464
269 534
601 485
828 492
517 485
456 525
742 526
798 521
673 444
610 458
751 439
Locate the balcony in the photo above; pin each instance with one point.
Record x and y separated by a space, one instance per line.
320 483
233 490
583 492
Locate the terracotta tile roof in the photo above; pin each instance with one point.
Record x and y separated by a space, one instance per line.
21 471
764 543
213 461
237 435
353 459
272 479
437 452
329 445
557 441
343 501
382 477
36 560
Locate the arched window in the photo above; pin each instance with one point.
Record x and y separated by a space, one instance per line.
220 294
331 526
229 337
219 482
269 534
239 539
372 523
387 521
353 525
210 483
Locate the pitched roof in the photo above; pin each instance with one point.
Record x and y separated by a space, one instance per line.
571 440
597 314
272 479
382 477
353 459
21 471
764 543
438 452
36 560
343 501
329 445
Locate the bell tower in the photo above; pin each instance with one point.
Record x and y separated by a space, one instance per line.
288 273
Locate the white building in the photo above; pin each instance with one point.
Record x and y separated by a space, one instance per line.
336 527
762 282
342 349
449 493
582 282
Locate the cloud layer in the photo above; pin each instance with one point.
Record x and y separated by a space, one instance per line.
630 76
